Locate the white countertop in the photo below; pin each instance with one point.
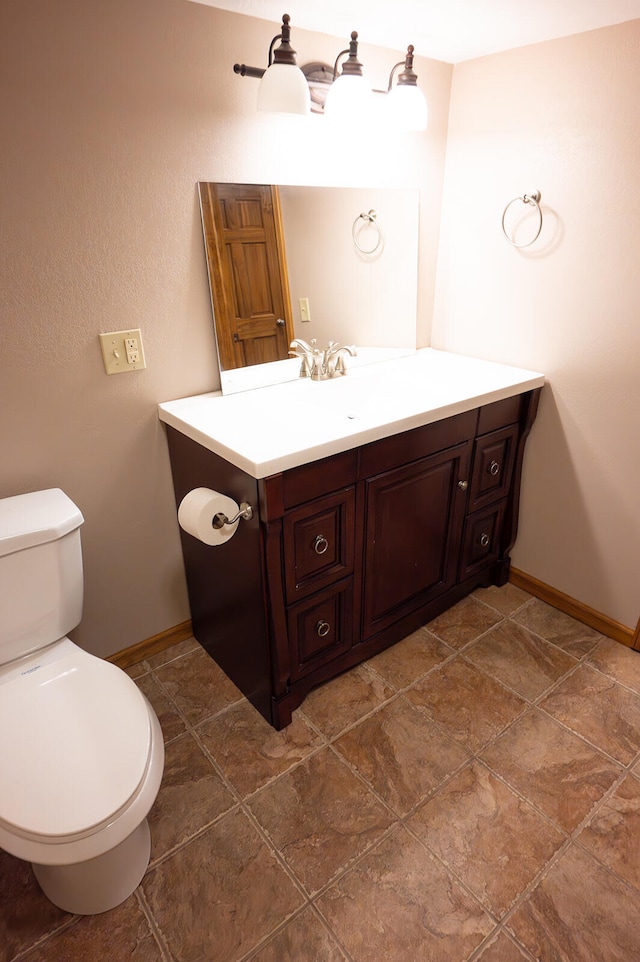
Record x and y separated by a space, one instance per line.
275 428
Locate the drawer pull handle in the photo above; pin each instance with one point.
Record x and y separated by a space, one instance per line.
485 540
323 628
320 545
463 485
494 468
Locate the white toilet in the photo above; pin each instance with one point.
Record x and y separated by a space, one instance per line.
81 749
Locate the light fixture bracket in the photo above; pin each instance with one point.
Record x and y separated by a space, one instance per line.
408 77
352 66
285 52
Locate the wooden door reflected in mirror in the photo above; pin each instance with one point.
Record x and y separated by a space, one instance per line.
247 268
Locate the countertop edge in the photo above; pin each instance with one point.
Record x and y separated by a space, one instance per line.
338 445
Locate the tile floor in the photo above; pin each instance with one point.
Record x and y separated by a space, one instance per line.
473 793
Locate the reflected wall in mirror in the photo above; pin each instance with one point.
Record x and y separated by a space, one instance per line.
293 261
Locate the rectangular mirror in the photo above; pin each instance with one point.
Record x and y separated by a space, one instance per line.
324 263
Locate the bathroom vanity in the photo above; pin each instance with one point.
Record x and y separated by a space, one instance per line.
379 500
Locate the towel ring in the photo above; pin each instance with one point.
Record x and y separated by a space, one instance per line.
371 219
534 199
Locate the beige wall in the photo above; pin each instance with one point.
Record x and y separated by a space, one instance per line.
111 112
561 117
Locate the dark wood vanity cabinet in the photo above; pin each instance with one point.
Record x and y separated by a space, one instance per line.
347 555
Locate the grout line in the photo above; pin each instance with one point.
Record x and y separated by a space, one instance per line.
156 931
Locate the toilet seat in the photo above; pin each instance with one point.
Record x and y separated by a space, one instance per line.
75 743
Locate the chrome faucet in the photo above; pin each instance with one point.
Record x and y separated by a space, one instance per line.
307 354
321 365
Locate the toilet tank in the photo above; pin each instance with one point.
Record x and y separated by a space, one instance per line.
41 585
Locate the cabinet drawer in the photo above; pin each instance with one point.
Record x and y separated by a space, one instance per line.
320 628
318 544
493 459
481 539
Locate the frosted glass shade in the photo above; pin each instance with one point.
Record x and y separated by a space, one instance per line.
349 99
284 88
407 108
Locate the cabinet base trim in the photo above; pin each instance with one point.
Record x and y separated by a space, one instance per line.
151 646
578 610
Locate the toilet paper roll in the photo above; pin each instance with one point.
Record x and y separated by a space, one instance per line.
197 510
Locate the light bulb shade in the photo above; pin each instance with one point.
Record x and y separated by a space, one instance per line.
284 88
349 99
407 108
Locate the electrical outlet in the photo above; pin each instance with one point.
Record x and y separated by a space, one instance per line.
305 310
122 351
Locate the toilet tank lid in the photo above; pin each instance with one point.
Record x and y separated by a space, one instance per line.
35 518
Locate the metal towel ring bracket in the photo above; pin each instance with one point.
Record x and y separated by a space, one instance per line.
533 199
371 219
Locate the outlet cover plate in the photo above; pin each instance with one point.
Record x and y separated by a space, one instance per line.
114 351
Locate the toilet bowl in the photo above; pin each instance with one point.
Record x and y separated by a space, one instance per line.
81 749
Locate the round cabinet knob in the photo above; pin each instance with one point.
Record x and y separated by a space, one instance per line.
494 468
323 628
320 545
484 540
463 485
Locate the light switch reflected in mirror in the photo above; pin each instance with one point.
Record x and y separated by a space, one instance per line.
293 261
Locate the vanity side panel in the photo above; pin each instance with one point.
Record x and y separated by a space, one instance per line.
528 412
225 583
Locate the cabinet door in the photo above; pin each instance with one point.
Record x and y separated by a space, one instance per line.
413 531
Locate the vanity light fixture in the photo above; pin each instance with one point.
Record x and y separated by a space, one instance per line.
349 97
406 104
283 86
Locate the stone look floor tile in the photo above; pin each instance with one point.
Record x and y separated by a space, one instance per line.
506 599
227 895
495 842
554 769
618 662
464 622
503 949
26 915
560 629
191 795
579 913
320 817
469 705
613 834
600 709
399 904
170 654
170 721
517 658
123 933
401 754
345 700
305 939
221 894
402 664
250 751
197 685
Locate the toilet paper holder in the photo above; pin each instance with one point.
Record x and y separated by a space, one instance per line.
220 519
